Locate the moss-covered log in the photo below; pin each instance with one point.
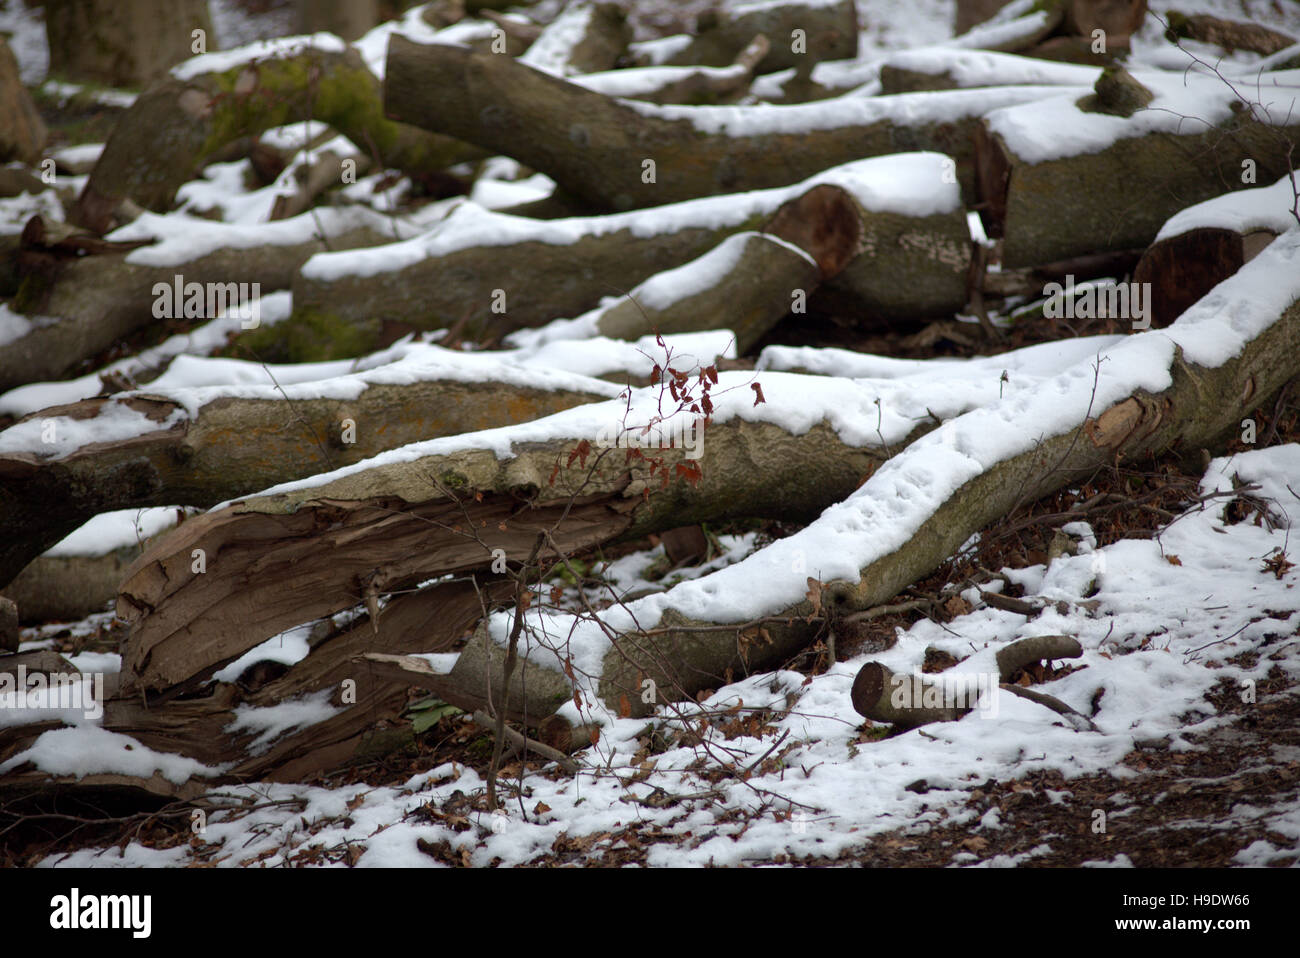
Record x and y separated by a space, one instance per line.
176 124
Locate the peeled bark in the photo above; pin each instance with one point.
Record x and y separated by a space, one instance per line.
231 446
175 125
596 148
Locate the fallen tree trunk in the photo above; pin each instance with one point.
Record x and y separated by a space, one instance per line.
383 512
1232 35
96 300
695 86
200 449
68 588
165 137
616 155
949 68
899 245
1042 200
1205 400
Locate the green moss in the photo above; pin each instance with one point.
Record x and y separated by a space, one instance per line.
308 336
32 294
346 98
453 480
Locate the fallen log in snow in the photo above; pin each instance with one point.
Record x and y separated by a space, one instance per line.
750 280
80 305
691 85
802 32
889 233
1232 35
1058 180
619 155
587 37
953 68
216 98
414 515
199 447
1188 385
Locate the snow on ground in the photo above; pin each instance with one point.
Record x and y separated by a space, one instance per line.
1157 636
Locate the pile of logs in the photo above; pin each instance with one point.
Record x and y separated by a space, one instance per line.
850 202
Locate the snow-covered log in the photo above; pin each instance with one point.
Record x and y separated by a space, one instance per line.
77 306
889 233
619 155
1188 385
65 464
749 280
802 33
587 37
691 85
952 68
1061 178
